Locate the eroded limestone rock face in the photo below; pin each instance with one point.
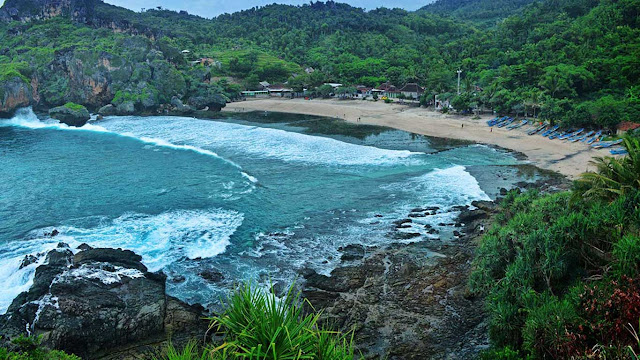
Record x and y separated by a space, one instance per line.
96 301
14 94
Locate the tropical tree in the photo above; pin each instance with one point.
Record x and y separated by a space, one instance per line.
614 176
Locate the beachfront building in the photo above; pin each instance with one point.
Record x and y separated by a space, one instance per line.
388 90
363 91
442 103
627 126
412 91
255 93
280 90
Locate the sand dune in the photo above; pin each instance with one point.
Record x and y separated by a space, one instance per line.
570 159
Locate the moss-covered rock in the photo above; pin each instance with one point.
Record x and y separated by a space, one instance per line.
71 114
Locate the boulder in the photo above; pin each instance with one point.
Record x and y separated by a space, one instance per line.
107 110
96 301
126 108
212 276
352 252
180 106
71 114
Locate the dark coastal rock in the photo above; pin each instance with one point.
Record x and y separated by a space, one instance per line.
402 222
108 110
84 247
96 301
352 252
487 206
405 235
180 107
467 216
403 303
426 209
72 116
212 276
416 215
15 94
28 260
126 108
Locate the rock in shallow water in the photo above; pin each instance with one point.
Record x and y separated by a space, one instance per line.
97 300
73 116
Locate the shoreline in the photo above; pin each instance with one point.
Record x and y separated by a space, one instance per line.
568 159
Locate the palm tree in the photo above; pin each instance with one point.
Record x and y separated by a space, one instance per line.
613 177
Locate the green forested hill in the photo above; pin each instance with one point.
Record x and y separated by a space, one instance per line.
485 12
575 61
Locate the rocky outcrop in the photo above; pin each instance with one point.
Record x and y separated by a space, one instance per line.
76 115
97 301
14 94
21 10
408 301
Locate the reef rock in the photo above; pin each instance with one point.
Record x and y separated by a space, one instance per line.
71 115
97 301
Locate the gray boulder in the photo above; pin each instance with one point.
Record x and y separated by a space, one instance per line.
126 108
71 114
96 301
107 110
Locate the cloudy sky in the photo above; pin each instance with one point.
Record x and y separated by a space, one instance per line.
210 8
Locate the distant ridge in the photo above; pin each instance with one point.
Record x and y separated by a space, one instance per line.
480 11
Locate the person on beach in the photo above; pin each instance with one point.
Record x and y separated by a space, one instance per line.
463 126
491 130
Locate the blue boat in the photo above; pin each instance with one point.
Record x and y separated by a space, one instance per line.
536 130
606 144
517 125
558 135
595 138
581 137
506 122
618 151
570 135
553 129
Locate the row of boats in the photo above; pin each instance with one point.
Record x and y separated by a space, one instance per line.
592 138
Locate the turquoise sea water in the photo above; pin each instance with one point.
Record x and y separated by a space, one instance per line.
251 198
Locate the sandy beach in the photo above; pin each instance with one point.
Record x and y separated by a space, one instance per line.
569 159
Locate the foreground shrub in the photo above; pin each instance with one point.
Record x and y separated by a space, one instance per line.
258 325
536 262
29 348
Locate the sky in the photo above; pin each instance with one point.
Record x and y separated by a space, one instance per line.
211 8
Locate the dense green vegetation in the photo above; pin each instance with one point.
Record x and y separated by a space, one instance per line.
575 61
258 325
28 348
482 12
561 272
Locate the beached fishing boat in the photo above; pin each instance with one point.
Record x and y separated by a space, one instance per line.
618 151
517 125
595 138
606 144
548 132
581 137
506 122
557 135
570 135
537 130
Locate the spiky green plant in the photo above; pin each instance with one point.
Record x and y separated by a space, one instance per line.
613 176
258 325
191 351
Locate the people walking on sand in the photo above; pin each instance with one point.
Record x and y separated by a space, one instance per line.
491 130
463 126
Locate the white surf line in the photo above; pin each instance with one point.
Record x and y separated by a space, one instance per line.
31 122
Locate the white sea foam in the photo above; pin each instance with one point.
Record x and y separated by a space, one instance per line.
260 141
160 240
26 118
